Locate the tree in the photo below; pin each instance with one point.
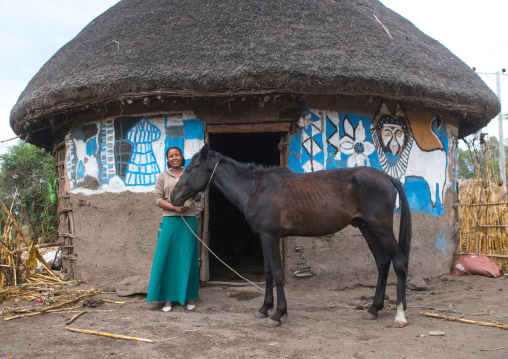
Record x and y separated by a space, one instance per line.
481 156
28 170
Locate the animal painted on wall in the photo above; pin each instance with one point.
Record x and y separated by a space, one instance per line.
127 152
386 141
401 156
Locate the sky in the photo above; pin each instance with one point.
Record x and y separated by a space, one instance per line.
31 31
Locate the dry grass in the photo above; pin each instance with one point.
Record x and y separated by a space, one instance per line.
20 283
483 218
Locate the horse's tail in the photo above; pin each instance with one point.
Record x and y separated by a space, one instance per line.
405 229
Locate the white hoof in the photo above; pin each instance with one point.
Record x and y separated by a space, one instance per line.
400 317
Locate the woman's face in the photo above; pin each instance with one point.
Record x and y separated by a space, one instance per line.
175 158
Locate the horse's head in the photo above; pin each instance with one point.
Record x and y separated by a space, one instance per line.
195 178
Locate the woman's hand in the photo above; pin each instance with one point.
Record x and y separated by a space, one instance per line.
180 209
167 205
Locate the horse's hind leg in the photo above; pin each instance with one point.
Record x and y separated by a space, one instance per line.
386 242
383 267
268 302
400 265
273 272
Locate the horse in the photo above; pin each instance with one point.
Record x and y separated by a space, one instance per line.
277 202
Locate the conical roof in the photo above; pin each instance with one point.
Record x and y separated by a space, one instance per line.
204 48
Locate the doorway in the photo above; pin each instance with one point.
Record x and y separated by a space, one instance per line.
231 238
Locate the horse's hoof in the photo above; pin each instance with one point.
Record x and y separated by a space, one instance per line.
260 315
398 324
274 323
369 316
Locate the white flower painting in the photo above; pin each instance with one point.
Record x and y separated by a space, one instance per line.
354 145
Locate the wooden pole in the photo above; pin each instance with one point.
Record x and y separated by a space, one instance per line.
76 317
118 336
68 302
454 319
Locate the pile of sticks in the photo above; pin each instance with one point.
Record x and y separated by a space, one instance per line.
19 255
483 216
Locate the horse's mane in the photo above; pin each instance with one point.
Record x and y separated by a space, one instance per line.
254 168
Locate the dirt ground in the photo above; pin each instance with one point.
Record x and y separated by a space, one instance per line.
321 324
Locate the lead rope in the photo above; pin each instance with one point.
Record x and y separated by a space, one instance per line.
208 248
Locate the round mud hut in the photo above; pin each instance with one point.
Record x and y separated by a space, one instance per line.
307 84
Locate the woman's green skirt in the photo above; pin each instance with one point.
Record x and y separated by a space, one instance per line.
175 273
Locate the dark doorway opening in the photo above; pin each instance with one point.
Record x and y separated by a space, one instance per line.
231 238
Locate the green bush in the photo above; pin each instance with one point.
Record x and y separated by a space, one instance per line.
29 170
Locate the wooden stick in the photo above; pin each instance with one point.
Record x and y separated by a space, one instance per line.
112 301
10 139
491 350
67 302
76 317
37 313
22 316
479 204
109 335
447 317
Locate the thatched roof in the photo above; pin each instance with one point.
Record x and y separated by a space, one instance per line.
204 48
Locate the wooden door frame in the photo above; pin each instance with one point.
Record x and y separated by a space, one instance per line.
204 271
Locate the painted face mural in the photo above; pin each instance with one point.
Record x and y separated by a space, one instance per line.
392 136
385 141
127 153
403 157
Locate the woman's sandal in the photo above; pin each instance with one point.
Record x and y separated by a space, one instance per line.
190 305
167 308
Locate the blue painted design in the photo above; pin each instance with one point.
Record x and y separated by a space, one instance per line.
142 169
441 242
300 154
392 159
320 157
295 153
80 172
91 146
418 195
106 160
194 129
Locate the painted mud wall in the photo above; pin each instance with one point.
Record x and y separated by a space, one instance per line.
418 148
127 153
112 165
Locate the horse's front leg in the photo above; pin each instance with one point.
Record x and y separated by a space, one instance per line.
273 262
268 303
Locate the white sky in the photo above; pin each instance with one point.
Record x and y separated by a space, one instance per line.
31 31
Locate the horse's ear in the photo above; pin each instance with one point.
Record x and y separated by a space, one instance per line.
204 151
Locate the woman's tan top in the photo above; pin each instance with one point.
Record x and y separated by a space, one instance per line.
163 186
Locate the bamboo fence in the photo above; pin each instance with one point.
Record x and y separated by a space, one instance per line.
483 216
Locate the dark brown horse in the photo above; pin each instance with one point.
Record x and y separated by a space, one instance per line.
278 203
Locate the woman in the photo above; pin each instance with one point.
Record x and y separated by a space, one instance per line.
175 276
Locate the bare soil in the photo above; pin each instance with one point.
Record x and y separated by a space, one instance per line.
322 323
